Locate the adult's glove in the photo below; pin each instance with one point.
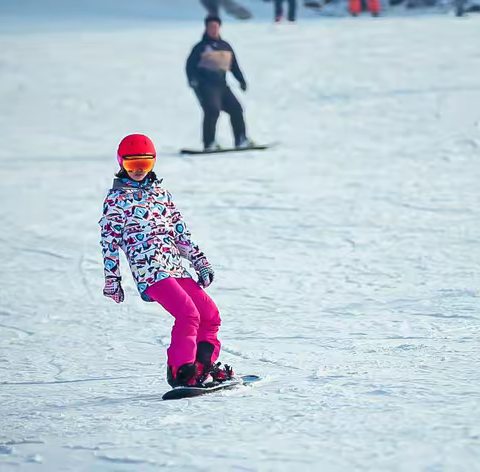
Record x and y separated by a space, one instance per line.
204 271
113 289
243 86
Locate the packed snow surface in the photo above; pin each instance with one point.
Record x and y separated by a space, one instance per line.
347 257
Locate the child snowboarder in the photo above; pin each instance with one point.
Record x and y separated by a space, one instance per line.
139 217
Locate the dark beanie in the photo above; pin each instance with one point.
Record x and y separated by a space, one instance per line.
211 18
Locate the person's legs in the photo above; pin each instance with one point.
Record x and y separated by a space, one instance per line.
208 345
355 6
278 10
374 6
459 7
170 294
232 106
210 99
292 10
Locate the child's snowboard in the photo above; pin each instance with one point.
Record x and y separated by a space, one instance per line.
178 393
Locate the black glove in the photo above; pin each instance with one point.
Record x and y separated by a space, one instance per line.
243 86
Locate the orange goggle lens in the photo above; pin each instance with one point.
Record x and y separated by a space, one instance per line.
134 163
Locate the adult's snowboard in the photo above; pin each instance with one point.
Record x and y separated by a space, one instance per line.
255 147
178 393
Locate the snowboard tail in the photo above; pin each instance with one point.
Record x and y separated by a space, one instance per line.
188 392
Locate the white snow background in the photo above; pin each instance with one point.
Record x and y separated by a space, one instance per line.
347 258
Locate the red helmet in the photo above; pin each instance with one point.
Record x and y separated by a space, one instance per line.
135 145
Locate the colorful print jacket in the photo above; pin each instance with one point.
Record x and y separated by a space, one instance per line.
141 219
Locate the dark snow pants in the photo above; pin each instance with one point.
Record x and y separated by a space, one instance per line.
214 99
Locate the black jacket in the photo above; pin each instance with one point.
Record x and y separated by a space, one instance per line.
210 60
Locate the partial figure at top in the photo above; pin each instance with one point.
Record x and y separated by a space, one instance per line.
211 6
232 7
292 10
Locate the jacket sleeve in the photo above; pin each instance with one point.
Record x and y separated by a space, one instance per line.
235 68
111 224
188 249
192 63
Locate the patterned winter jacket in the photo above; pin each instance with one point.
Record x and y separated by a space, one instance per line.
142 220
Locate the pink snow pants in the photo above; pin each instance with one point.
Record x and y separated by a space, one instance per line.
196 318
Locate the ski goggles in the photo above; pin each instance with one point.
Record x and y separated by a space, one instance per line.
136 163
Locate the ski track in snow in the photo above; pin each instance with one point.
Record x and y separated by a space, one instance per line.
346 257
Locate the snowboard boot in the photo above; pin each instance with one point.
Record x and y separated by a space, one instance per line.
211 147
208 371
204 376
203 361
183 376
244 143
190 375
204 353
220 374
213 373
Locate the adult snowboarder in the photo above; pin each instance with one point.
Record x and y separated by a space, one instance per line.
207 66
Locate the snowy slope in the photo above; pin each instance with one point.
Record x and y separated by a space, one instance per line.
347 259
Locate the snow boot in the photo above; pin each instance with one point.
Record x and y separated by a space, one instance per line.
220 374
211 147
244 143
183 376
208 371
